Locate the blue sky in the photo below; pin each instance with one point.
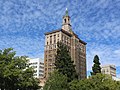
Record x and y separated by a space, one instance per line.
24 22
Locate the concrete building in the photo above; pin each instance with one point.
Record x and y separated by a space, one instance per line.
38 67
68 37
109 69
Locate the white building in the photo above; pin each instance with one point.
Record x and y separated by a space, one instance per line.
38 67
109 69
116 79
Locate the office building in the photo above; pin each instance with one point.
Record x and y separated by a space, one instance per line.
38 67
68 37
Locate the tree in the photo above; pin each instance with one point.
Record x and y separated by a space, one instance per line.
95 82
56 81
15 72
96 67
63 62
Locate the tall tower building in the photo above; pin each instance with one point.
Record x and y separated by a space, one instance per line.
68 37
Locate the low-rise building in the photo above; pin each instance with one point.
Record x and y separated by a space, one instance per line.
109 69
38 66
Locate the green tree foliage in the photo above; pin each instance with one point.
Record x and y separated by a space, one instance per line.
15 72
63 62
96 67
56 81
96 82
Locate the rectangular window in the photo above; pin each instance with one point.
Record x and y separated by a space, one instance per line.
40 74
50 39
41 67
34 66
41 71
50 60
50 55
54 46
45 69
54 38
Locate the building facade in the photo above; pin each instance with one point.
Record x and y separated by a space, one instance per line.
38 67
109 69
68 37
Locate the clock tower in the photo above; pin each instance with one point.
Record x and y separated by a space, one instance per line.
66 22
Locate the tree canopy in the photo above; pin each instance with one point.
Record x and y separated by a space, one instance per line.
15 72
56 81
63 62
99 81
95 82
96 67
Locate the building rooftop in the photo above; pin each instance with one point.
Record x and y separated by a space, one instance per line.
108 66
54 31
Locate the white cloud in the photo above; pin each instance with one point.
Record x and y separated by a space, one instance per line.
108 54
117 52
23 24
24 45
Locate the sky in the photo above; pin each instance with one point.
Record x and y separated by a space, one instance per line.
97 22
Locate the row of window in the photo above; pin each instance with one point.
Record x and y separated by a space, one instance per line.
50 47
41 63
39 71
49 64
41 66
80 48
36 66
39 75
103 71
34 63
54 36
64 39
54 46
107 71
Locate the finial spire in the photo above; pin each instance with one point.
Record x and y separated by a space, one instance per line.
66 12
66 9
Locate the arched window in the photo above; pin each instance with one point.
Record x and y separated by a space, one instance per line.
65 20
